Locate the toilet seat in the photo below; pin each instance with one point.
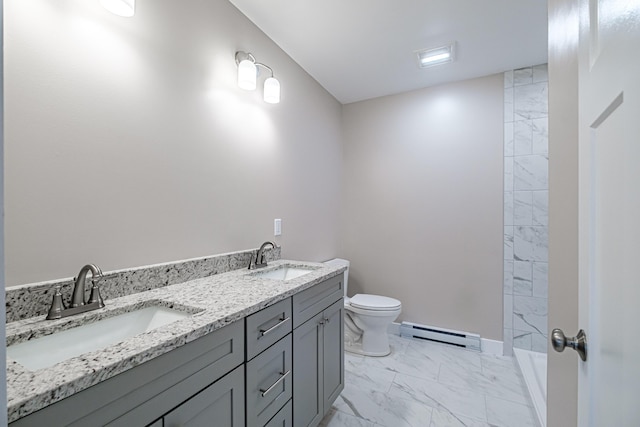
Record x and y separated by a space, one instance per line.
374 302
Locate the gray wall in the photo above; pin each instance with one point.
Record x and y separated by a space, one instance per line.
562 369
423 202
526 208
128 141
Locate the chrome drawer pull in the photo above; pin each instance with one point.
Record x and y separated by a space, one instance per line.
284 375
264 332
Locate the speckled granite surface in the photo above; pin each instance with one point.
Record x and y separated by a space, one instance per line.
31 300
216 300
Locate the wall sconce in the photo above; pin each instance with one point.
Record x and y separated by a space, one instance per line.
126 8
248 74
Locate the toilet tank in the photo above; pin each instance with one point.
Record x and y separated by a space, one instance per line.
339 262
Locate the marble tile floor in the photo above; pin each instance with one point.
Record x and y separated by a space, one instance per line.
431 385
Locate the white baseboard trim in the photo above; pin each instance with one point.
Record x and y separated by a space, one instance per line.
493 347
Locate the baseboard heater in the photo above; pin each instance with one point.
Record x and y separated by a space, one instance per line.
445 336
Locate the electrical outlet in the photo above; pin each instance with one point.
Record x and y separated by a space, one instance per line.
277 227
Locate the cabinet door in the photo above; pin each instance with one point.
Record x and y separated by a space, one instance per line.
307 373
333 353
219 405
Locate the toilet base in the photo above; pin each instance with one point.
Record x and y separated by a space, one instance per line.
356 348
365 331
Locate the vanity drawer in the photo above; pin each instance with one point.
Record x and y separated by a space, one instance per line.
312 301
284 417
267 326
268 382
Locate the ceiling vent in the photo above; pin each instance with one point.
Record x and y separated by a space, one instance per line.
436 56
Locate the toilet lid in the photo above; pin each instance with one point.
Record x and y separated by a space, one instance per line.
374 302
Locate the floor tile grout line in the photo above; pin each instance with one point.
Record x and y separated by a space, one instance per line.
486 409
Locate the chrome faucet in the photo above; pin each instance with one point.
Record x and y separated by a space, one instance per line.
260 262
78 304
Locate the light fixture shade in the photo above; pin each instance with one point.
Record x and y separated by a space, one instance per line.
247 74
272 90
126 8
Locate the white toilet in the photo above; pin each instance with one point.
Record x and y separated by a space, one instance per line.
366 319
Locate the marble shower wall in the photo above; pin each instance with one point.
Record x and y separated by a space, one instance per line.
526 195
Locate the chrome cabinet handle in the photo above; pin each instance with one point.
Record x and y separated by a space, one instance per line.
579 343
264 332
278 381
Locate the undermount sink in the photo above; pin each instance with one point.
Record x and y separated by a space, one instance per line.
48 350
284 272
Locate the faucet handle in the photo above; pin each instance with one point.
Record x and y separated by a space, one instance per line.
95 293
57 305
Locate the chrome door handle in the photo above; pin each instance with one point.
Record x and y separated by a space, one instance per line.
264 332
579 343
278 381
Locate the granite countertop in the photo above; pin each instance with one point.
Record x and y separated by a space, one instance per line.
215 301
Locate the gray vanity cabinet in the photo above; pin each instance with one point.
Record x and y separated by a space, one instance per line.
318 358
267 326
311 301
269 364
284 418
220 405
333 354
143 394
255 372
307 373
269 382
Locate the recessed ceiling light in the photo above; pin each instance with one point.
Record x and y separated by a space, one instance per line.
435 56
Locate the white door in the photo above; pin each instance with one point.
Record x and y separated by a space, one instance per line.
609 223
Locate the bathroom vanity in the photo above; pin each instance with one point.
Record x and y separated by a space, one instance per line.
254 351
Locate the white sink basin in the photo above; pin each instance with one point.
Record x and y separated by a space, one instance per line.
284 273
48 350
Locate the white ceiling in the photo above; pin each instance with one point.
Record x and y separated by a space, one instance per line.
361 49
